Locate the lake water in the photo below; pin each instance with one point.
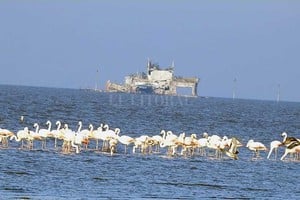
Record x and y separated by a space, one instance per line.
50 174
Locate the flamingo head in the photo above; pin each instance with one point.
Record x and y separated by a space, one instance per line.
66 126
117 131
106 127
284 134
169 133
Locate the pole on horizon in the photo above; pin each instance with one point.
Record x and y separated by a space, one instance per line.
234 88
97 79
278 93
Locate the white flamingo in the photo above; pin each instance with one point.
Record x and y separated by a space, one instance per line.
99 134
94 135
189 144
256 147
169 140
274 145
4 134
108 134
85 132
105 136
215 142
44 133
34 135
126 140
112 134
202 144
57 134
82 136
140 142
21 136
157 139
69 140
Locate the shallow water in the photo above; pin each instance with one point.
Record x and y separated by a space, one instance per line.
50 174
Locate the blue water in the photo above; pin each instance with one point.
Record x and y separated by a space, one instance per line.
50 174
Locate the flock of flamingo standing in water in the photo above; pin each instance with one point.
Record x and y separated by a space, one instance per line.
67 141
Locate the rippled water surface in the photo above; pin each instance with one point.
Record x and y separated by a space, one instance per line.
50 174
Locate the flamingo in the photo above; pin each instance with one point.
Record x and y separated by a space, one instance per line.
83 135
99 134
44 133
85 132
274 146
256 147
57 134
232 151
293 149
169 140
21 135
112 145
4 134
202 144
92 134
291 144
69 140
112 134
34 135
189 144
104 136
109 134
140 142
126 140
157 139
215 142
287 140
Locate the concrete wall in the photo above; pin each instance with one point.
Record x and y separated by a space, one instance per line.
160 75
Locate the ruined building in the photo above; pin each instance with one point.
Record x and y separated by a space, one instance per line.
156 81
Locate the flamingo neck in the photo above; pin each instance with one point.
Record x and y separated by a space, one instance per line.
58 126
79 128
37 128
91 128
164 135
49 126
284 138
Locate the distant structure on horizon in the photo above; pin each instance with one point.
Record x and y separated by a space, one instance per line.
154 81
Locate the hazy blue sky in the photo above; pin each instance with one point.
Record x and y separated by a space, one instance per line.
63 43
